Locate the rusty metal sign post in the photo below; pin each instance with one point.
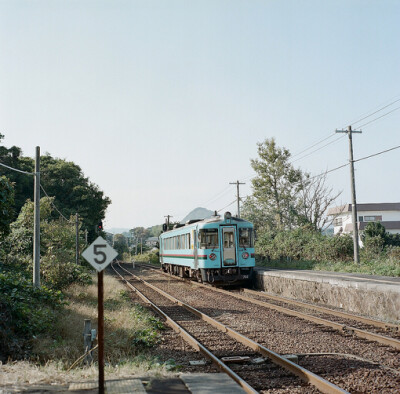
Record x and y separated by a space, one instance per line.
99 255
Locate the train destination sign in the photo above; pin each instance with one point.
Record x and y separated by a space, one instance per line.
99 254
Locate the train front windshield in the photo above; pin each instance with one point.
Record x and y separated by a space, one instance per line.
246 238
208 238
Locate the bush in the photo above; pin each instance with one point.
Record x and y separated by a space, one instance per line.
148 257
59 275
25 311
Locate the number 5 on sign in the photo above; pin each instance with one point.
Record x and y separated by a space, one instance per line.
99 254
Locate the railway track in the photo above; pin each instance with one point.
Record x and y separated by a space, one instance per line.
359 326
218 342
353 363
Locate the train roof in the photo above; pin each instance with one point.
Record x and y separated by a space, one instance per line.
212 219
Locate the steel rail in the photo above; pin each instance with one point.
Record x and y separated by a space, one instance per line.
187 337
303 373
365 320
318 320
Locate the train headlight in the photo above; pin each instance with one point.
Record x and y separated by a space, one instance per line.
212 256
245 255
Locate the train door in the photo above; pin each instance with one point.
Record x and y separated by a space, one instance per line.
228 246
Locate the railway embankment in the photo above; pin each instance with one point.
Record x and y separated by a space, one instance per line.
374 296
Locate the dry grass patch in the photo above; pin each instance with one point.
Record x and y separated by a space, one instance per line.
129 329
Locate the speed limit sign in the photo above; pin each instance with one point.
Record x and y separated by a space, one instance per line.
99 254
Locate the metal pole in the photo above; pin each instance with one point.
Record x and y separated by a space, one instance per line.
36 224
141 245
101 330
77 238
353 200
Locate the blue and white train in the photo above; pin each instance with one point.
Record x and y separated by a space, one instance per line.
216 250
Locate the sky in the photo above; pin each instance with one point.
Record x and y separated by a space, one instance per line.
162 103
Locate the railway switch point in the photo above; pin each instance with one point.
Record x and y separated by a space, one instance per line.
292 357
197 362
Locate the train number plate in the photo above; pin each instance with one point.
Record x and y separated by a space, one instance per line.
245 276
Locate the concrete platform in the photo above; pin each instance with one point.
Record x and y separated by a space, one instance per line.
373 296
185 383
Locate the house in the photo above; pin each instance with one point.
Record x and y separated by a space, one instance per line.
386 213
152 242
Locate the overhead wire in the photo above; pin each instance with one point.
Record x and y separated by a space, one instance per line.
312 146
218 195
54 206
379 117
16 169
316 150
354 161
226 206
375 112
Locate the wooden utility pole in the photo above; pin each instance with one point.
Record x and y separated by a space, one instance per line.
36 223
77 238
350 132
237 183
168 216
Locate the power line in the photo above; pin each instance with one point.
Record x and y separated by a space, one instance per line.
218 195
362 158
227 205
377 154
316 150
15 169
312 146
327 172
373 113
51 202
379 117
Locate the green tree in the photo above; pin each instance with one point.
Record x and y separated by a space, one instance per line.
57 245
120 244
64 180
276 184
6 205
22 183
141 232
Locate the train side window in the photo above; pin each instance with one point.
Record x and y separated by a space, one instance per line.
246 238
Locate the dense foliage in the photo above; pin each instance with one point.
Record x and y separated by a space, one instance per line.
25 311
64 180
6 205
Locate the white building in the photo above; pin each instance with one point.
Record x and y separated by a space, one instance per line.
386 213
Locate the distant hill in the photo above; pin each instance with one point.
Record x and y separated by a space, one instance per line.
117 230
198 213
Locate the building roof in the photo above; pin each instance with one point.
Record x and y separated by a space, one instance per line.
389 225
383 206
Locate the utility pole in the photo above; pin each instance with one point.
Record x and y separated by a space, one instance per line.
349 132
141 245
168 216
237 183
36 223
77 238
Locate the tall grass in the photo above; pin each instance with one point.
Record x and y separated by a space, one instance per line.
129 329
